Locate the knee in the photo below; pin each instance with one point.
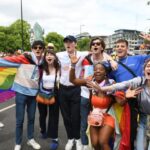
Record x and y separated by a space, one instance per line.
103 143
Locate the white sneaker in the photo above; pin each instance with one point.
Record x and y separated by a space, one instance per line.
34 144
1 125
79 146
17 147
69 144
86 147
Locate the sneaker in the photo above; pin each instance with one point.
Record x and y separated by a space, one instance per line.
86 147
69 144
17 147
33 144
1 125
79 146
54 144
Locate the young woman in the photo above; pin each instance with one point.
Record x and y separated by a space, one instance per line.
143 100
48 85
100 133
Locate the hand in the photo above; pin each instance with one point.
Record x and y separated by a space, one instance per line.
93 85
145 36
133 93
114 65
74 59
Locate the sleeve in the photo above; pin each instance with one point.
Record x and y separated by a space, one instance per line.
133 83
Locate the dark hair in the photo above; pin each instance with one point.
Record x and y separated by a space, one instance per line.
35 43
106 66
56 61
101 41
122 41
146 62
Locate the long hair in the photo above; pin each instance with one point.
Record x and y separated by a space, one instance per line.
56 61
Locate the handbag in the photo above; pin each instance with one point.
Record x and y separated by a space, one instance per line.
47 96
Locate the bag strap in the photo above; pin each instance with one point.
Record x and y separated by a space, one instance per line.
139 102
127 68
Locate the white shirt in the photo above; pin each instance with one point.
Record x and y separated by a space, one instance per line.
66 65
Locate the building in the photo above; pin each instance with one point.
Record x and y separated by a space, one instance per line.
132 36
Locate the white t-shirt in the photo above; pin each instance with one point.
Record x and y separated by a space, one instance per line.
66 65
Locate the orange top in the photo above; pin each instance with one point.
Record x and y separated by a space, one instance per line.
101 102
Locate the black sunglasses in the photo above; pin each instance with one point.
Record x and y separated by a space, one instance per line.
96 43
38 47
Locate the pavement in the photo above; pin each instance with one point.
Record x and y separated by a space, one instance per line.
7 133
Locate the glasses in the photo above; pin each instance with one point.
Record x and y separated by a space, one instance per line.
38 47
96 43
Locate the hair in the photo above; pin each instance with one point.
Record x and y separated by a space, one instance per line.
146 62
56 61
122 41
35 43
101 41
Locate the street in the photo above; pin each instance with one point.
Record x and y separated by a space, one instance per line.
7 134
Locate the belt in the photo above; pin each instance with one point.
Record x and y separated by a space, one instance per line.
68 86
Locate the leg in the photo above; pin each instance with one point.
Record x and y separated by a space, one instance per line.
94 135
84 111
53 120
20 111
65 110
140 139
105 134
42 117
31 108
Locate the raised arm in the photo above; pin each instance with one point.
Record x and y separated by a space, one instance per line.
113 63
72 76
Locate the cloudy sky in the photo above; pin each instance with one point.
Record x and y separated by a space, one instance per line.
98 17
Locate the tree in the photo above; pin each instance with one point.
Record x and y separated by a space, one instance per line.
56 39
83 44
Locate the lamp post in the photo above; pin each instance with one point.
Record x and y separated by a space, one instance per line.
22 26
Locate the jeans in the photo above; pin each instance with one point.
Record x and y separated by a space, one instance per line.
141 140
84 111
21 102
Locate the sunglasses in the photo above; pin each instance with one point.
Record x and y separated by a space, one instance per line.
38 47
96 43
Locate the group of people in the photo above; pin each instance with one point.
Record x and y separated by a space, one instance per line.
82 84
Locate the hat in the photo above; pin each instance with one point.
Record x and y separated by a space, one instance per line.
50 45
95 118
70 38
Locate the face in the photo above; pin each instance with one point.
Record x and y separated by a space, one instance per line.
70 46
121 49
49 58
96 47
147 71
38 51
99 72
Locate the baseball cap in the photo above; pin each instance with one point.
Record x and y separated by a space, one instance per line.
70 38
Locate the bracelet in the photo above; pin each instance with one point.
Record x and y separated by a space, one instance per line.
73 66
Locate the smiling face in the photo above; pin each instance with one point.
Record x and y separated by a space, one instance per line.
96 47
38 51
70 46
147 70
121 49
49 57
99 72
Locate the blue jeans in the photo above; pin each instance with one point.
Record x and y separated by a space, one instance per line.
84 111
21 102
141 140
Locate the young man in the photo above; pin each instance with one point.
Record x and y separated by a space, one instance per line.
26 87
135 64
69 95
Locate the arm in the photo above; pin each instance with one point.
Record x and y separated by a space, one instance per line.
72 76
113 63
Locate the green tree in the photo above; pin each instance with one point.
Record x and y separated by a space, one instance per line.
56 39
83 44
15 35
